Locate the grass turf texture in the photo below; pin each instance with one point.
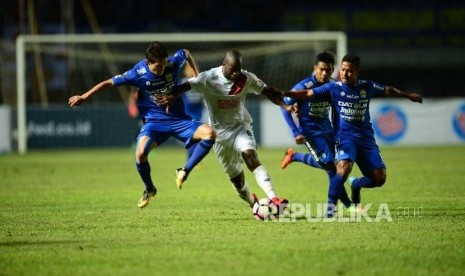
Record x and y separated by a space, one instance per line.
74 212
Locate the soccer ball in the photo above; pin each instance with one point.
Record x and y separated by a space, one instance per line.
264 209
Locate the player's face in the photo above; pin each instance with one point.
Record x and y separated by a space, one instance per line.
157 66
348 73
231 71
323 71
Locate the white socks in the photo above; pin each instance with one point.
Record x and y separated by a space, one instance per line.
264 181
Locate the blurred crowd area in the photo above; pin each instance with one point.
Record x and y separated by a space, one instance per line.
415 45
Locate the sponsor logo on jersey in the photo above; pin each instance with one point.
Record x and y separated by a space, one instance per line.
141 71
458 121
227 103
308 84
390 123
350 96
122 75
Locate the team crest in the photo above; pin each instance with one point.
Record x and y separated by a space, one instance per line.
169 77
363 93
147 83
343 93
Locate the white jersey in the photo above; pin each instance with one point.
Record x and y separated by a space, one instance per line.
224 99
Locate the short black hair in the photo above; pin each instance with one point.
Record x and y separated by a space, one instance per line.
156 51
233 57
352 58
325 57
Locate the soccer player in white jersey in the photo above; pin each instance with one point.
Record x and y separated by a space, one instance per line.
154 76
224 90
354 135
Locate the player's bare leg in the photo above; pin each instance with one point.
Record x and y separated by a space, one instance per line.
242 189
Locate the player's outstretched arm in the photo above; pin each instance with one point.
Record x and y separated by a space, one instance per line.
276 96
79 99
394 92
299 94
288 118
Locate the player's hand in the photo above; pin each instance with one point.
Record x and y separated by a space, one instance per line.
293 109
76 100
299 139
415 97
132 110
165 100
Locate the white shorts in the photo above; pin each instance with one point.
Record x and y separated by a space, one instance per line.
229 151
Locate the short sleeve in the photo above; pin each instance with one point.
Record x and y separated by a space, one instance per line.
323 91
377 88
256 84
127 78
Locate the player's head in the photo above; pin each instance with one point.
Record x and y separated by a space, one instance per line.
157 57
232 64
350 69
323 67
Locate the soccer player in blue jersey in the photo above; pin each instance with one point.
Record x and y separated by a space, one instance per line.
154 76
354 135
314 126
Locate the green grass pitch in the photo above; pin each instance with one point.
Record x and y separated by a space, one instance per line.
74 213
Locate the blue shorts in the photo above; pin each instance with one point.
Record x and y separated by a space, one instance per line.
323 145
194 110
181 129
365 154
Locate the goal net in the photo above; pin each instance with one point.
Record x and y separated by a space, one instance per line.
51 68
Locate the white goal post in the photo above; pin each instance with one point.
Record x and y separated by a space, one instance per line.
25 41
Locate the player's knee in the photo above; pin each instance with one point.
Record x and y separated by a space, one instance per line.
379 180
211 134
208 133
344 167
251 159
140 157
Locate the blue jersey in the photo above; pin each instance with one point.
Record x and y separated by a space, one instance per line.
314 114
350 106
150 85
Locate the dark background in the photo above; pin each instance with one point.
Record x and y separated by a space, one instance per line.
413 45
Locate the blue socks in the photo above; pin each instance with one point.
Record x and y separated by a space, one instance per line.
305 158
191 150
335 182
344 197
144 172
363 182
200 150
